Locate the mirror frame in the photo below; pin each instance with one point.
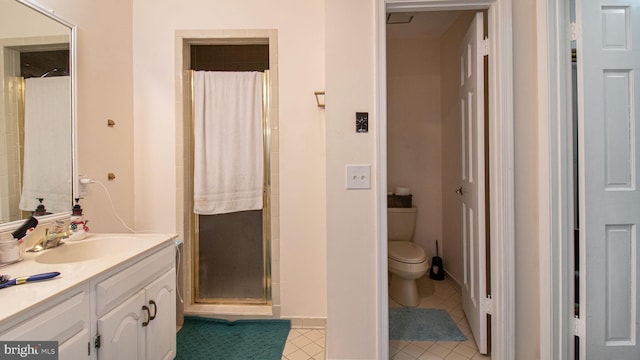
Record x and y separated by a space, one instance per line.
50 13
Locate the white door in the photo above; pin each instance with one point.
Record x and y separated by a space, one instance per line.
473 181
161 331
608 95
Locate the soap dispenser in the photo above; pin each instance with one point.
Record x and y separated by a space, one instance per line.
78 225
40 210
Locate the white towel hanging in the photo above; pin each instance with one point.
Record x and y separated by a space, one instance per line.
47 135
228 142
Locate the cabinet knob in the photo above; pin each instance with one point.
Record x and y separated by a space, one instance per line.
155 309
145 307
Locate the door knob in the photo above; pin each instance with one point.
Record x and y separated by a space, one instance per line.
459 191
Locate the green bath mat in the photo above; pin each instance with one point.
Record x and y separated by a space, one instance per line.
204 338
422 325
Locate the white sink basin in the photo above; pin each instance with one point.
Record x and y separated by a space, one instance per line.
83 251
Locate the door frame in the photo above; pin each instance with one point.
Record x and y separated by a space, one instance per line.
184 189
555 155
501 158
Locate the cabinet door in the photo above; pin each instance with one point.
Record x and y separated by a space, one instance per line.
161 332
66 322
76 347
122 334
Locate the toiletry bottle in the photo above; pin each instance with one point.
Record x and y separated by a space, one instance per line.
40 210
78 224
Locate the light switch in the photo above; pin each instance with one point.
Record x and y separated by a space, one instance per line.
362 122
358 176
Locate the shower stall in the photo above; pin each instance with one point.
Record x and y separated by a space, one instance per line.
230 252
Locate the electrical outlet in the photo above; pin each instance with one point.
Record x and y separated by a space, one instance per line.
82 187
358 177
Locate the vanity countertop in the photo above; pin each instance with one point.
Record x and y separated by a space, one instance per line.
19 298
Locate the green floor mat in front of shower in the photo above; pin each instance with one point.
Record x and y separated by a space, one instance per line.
205 338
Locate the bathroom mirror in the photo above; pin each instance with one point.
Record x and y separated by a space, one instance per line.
36 111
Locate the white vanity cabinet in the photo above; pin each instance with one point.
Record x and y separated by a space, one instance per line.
65 319
136 310
120 306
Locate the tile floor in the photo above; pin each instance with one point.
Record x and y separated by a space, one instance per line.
304 344
438 295
309 344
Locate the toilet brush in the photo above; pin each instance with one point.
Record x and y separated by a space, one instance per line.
436 273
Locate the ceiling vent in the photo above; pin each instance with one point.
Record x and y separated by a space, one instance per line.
399 18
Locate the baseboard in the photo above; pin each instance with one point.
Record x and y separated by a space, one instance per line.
454 281
230 312
308 323
239 312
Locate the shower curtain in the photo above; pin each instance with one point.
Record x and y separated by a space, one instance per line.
47 163
228 142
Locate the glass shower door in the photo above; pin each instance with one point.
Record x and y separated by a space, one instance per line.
231 262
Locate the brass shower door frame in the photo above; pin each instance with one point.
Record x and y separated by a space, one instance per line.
266 207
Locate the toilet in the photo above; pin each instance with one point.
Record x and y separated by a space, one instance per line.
407 260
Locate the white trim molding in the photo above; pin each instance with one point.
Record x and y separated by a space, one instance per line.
184 200
555 179
380 64
440 5
502 194
501 157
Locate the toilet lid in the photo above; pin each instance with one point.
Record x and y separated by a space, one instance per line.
406 251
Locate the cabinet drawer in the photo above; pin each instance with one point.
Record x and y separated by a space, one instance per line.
115 289
59 322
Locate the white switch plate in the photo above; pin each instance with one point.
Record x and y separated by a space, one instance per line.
358 177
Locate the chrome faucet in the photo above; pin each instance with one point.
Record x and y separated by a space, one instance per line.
52 238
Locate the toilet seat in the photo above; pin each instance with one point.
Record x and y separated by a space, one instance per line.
406 252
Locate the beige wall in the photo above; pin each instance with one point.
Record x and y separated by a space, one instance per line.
20 21
105 73
104 91
351 214
414 147
301 158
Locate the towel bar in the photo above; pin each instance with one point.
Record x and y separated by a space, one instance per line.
319 94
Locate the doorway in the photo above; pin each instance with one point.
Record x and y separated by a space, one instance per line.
425 137
268 305
231 255
500 153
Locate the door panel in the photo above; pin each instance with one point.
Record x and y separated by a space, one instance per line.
122 334
608 80
161 334
473 181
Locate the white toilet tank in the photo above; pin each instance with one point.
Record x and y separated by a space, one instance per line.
401 224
